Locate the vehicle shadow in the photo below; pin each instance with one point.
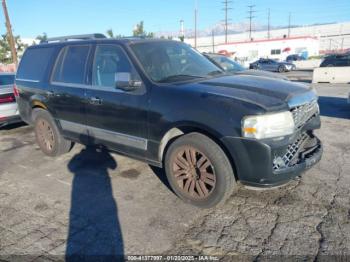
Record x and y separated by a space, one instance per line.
337 107
160 173
94 229
12 126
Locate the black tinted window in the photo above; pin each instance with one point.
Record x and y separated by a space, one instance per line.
6 80
34 63
110 60
71 64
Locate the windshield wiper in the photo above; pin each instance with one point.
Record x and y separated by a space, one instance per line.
216 72
177 78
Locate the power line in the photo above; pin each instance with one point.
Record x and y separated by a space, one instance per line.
226 9
250 17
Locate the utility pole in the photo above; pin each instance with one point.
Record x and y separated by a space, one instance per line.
9 34
182 29
226 9
250 17
289 23
195 22
268 24
213 40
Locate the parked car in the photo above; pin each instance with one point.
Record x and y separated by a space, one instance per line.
272 65
8 106
292 58
162 102
336 60
230 66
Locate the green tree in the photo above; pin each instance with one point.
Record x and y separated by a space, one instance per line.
139 31
42 38
5 50
182 38
110 33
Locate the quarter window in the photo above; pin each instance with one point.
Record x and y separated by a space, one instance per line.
110 60
71 65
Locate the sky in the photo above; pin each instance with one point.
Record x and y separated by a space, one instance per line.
30 18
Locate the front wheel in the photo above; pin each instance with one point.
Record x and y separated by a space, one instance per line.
199 171
281 69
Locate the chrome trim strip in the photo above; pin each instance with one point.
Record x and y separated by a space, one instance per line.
70 85
27 80
73 127
106 135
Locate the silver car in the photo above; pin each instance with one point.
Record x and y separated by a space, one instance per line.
8 107
272 65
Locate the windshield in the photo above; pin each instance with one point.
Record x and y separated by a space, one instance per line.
168 61
228 64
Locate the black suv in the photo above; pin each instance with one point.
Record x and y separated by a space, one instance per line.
336 60
164 103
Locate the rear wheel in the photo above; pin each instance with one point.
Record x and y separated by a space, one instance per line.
199 171
281 69
47 134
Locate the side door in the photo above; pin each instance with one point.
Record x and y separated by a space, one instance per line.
116 118
67 89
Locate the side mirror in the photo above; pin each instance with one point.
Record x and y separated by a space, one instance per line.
123 81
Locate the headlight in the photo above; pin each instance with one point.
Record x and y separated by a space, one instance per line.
269 125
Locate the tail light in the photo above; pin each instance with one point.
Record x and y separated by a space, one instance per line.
15 90
8 98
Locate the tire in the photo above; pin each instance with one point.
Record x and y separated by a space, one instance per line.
199 171
281 69
48 136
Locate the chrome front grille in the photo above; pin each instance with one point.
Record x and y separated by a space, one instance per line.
291 156
303 113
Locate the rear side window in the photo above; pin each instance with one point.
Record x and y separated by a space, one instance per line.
34 63
7 80
71 64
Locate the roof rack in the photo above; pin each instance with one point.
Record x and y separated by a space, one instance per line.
73 37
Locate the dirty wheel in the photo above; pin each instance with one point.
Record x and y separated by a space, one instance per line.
194 173
199 171
47 135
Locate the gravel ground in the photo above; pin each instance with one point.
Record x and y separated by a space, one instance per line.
97 203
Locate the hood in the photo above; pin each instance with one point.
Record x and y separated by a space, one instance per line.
267 93
262 73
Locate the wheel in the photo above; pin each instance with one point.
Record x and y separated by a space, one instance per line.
199 171
281 69
47 135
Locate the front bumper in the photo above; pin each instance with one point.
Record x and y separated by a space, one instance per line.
255 161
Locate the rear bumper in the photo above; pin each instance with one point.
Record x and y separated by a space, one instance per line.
9 120
255 160
9 114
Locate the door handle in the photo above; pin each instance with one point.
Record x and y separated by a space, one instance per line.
95 101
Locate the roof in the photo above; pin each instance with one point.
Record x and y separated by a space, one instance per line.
124 40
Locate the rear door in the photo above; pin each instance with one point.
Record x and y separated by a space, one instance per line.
68 88
116 118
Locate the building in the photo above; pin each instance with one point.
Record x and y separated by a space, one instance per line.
333 37
278 48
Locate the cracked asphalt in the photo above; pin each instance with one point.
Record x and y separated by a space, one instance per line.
96 203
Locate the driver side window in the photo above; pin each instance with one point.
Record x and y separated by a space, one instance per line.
110 60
